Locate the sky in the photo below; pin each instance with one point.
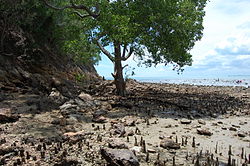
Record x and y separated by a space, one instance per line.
223 51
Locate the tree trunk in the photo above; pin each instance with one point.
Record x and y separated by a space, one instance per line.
118 74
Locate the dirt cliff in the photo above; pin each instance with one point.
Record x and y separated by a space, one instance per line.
24 69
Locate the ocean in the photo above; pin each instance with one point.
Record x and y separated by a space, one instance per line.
231 80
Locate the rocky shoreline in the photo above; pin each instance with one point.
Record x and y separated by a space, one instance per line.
155 124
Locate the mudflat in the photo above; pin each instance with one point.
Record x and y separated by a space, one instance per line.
161 124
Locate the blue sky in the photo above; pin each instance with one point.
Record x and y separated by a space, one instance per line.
224 49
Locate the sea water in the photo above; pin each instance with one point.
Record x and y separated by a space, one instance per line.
232 80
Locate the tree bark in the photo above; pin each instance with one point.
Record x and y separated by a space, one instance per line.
118 74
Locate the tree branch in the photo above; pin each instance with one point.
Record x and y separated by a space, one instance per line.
74 6
80 15
124 66
105 51
124 51
131 50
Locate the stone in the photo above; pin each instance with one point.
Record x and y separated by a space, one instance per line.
136 149
151 150
200 121
71 120
119 129
117 144
213 115
100 112
85 97
185 121
72 134
204 132
67 105
100 119
129 133
7 149
55 121
241 134
114 121
236 126
168 126
232 129
119 157
57 97
169 144
6 116
130 122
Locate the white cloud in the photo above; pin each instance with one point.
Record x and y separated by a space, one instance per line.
226 42
243 57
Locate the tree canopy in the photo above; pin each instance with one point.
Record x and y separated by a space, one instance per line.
158 31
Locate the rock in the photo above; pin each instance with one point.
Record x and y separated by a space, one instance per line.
169 144
190 117
213 115
241 123
118 144
55 121
151 150
185 121
68 106
130 122
57 97
56 82
82 104
232 129
100 112
129 133
168 126
6 116
100 119
119 157
200 121
62 121
114 121
105 105
72 134
67 162
71 120
204 132
2 95
7 149
241 134
136 149
85 97
119 129
236 126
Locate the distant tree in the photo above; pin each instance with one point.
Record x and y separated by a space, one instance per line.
154 31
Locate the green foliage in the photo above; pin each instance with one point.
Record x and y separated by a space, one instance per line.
160 31
79 77
62 31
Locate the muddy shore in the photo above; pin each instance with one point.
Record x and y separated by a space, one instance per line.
162 124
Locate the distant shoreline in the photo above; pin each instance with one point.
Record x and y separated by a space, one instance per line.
230 80
202 82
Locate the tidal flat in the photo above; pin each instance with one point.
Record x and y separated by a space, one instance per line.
160 124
